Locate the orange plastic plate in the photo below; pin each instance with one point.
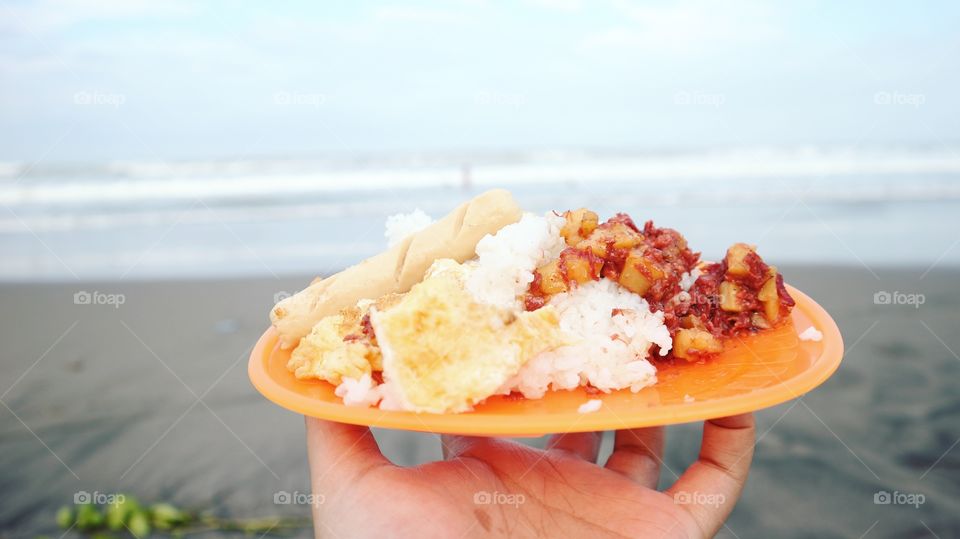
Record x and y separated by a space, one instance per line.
752 373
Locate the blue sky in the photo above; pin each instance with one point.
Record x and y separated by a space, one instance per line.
130 80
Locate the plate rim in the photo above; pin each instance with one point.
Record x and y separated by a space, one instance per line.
518 425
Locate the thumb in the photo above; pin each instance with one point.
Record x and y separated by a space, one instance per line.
339 453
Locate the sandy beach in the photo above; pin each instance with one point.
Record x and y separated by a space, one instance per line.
151 397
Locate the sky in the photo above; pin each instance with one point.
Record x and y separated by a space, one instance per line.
122 80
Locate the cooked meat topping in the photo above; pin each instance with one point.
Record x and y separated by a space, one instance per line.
738 295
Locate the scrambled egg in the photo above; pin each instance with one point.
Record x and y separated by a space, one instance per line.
339 347
440 350
444 352
325 355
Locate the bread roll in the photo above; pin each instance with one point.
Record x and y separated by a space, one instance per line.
396 270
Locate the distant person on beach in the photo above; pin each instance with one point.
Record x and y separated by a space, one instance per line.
495 487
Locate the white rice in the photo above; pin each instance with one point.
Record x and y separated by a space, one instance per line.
505 261
401 225
358 392
591 405
811 334
611 351
365 392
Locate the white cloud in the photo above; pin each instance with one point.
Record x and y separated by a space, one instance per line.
415 14
687 28
558 5
53 15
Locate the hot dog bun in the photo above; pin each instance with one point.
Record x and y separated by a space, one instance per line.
396 270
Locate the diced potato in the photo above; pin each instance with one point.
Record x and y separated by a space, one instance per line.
758 321
770 299
580 224
691 322
729 300
639 273
654 269
579 267
634 280
551 278
736 259
596 244
617 235
689 343
625 237
588 223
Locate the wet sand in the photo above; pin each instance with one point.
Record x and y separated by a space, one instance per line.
151 397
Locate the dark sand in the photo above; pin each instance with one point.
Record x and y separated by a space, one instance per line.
113 406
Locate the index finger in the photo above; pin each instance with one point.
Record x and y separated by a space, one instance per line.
709 488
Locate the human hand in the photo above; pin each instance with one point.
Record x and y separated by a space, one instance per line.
496 487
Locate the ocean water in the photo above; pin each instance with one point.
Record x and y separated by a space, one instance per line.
131 220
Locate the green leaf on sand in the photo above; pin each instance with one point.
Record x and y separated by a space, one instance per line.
66 517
